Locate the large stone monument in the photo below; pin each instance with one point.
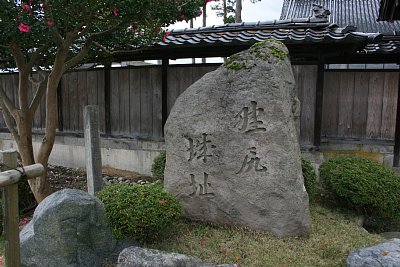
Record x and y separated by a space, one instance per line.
232 149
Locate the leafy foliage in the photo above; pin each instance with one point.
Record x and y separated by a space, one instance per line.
51 37
309 176
158 166
32 24
144 213
363 185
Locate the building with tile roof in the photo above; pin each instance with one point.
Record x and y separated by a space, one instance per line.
340 54
350 99
362 14
389 10
350 32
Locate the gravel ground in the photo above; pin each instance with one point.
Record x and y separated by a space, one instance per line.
63 177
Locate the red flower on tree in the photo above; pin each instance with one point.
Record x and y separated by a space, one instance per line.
115 11
27 8
24 28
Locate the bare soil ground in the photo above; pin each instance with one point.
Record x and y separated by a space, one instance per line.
63 177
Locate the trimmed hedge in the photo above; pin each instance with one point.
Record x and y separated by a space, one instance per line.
309 176
158 166
141 212
363 185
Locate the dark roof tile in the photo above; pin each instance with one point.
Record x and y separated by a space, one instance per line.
361 13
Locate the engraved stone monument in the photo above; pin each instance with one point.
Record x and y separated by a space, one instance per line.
232 148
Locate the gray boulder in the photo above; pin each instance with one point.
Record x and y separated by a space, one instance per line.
233 155
142 257
383 255
68 229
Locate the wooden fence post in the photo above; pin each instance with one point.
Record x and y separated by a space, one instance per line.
11 212
92 147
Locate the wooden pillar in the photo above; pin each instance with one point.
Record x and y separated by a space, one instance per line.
164 93
60 107
11 213
319 98
92 148
107 98
396 151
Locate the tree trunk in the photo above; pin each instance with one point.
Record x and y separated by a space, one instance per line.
40 186
238 11
225 12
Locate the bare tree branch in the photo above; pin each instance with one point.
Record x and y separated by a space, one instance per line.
93 36
102 48
37 56
33 81
5 46
8 119
8 104
19 57
78 58
40 91
41 72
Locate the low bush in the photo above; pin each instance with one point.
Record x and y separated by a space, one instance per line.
309 176
143 213
366 186
158 166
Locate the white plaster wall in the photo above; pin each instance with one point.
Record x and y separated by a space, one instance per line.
136 155
132 155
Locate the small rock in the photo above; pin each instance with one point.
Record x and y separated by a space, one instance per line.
121 179
142 257
382 255
69 228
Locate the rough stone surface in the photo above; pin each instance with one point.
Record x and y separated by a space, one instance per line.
68 229
383 255
232 149
142 257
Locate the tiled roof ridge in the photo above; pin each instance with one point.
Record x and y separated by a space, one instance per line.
310 23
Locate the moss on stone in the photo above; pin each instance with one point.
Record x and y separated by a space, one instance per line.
276 52
273 50
234 66
233 63
258 44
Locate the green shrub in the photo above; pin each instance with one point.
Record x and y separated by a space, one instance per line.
309 176
368 187
158 166
143 213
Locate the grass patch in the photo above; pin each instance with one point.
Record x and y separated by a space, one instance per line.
332 237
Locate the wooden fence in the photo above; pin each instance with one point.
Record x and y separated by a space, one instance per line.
357 104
